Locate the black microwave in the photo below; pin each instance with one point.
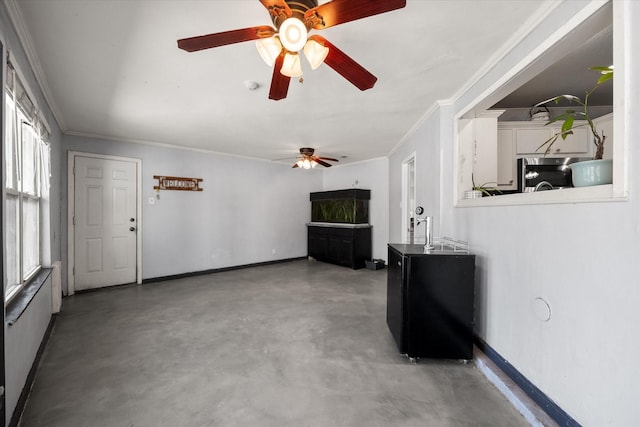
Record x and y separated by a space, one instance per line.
545 173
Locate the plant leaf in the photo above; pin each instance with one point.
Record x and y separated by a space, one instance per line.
554 99
563 116
567 125
605 77
571 98
602 69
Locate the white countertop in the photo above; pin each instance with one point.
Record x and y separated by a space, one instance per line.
337 225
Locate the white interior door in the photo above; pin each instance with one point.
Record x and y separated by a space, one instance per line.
105 222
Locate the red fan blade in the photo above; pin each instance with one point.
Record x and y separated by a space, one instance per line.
345 66
328 158
208 41
340 11
277 7
323 163
279 82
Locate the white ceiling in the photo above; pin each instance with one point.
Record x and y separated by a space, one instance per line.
571 74
113 69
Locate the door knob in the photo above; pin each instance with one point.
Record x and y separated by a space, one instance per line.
132 229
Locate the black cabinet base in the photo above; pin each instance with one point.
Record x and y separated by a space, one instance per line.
430 304
346 246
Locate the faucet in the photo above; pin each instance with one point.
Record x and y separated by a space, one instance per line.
543 185
428 231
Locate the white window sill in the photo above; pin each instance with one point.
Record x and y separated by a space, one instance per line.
599 193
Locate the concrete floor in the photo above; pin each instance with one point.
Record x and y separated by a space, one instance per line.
301 343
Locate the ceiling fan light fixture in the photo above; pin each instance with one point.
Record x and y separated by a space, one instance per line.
291 65
315 53
293 34
292 20
269 49
306 164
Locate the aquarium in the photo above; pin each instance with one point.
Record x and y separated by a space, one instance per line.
341 206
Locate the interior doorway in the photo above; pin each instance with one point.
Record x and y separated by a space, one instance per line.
408 198
104 221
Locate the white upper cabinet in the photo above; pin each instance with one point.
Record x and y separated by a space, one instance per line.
485 151
528 140
529 136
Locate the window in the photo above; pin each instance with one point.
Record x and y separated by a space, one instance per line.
597 22
26 184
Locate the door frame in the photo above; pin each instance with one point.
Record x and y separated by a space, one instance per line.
3 70
407 194
71 156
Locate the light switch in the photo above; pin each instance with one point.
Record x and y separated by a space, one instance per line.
152 200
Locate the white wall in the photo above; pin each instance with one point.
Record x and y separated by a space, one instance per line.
248 208
23 339
584 357
370 175
581 258
425 145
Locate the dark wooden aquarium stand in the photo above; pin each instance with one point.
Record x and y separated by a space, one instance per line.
350 246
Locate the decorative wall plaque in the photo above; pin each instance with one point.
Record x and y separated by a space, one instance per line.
177 183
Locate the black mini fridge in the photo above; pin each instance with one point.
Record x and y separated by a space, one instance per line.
430 302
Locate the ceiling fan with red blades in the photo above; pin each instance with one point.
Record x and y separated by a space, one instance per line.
308 160
293 19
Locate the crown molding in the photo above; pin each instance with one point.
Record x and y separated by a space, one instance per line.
108 138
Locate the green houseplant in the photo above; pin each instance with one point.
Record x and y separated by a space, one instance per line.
600 169
477 191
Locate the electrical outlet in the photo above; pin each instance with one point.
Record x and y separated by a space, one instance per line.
152 200
273 251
